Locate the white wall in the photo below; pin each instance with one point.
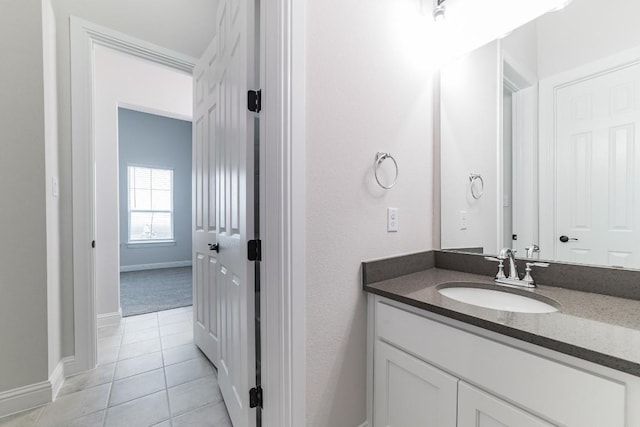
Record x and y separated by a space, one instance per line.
470 135
368 90
23 253
124 80
167 23
585 31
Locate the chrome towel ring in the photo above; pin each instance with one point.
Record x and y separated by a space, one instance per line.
381 157
473 177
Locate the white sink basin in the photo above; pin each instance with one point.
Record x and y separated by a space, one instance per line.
496 299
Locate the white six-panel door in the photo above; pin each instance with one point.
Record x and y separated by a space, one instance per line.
598 169
206 292
224 206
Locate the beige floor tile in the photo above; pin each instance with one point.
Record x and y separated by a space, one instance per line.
141 335
141 325
141 348
74 405
109 342
95 419
188 371
137 365
23 419
137 386
143 412
103 374
211 415
110 331
182 353
176 328
141 318
177 340
168 313
175 318
107 356
194 394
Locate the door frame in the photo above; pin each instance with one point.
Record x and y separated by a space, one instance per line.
282 201
549 88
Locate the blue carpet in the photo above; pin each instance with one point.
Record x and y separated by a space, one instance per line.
147 291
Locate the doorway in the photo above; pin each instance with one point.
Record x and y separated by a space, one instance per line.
154 159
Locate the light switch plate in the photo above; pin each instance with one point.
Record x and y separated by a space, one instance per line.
463 220
392 219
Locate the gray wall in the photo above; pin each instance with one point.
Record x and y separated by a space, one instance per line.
23 253
156 141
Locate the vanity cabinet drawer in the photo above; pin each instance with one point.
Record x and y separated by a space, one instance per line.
555 392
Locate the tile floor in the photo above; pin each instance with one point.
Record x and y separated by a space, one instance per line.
149 374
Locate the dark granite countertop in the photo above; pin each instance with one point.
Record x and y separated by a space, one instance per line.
599 328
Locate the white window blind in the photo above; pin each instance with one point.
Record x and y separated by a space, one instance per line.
150 204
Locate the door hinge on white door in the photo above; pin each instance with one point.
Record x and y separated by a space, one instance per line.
254 249
254 100
255 397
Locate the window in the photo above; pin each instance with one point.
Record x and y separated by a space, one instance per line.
150 204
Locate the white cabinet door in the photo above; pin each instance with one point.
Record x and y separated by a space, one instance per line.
411 393
479 409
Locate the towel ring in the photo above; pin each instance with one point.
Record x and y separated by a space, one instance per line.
381 157
473 177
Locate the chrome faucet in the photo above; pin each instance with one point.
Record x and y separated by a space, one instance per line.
514 279
510 254
531 250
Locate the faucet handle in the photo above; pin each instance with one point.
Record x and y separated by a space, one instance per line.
500 261
527 277
537 264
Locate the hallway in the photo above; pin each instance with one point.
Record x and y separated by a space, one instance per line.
149 374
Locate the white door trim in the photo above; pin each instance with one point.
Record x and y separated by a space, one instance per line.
84 37
282 178
282 212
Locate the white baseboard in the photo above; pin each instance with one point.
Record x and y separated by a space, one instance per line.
70 367
57 379
140 267
33 395
108 319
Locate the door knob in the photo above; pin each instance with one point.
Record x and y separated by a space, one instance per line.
214 247
565 239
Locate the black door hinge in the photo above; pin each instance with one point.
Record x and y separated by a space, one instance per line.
93 244
254 250
254 100
255 397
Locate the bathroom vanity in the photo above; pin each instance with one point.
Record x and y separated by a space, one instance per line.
434 361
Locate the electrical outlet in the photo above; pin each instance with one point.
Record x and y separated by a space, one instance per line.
392 219
463 220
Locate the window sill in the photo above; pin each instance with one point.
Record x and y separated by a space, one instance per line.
150 244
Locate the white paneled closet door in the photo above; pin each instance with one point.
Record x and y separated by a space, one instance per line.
598 169
206 292
224 279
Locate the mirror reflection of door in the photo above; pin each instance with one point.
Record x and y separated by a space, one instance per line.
598 167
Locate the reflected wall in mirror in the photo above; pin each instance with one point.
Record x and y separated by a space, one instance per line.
549 117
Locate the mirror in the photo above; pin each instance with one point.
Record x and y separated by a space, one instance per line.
539 145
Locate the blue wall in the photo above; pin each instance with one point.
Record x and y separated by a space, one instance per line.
156 141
